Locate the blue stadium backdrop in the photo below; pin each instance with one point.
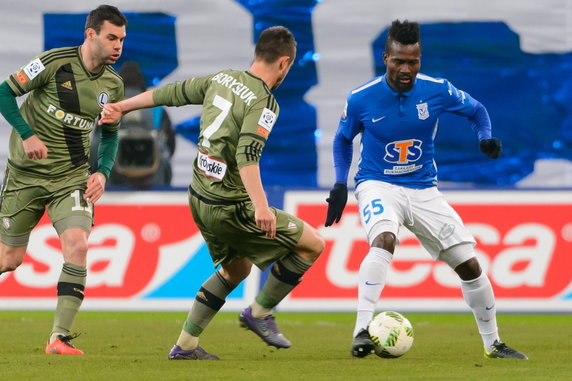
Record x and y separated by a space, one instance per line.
527 95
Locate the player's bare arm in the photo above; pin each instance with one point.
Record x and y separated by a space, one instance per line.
34 148
112 112
265 218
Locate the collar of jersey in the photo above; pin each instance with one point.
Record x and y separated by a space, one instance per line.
260 79
89 74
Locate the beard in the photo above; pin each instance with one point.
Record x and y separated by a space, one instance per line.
399 86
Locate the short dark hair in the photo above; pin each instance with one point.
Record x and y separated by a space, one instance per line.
273 43
103 13
406 33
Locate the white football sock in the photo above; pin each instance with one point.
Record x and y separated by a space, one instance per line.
480 297
372 276
260 312
55 335
186 341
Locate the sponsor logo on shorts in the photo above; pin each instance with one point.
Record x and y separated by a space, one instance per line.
34 68
291 225
446 231
6 223
211 167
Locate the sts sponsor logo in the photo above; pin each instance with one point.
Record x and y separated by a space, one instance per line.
403 151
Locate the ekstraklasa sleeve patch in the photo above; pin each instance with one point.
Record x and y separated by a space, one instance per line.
267 119
34 68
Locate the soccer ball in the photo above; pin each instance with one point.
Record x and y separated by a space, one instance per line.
392 334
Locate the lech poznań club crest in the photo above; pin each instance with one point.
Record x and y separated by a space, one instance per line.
422 111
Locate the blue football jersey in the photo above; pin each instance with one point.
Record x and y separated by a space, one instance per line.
398 129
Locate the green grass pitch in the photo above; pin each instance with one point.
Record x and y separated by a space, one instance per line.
123 346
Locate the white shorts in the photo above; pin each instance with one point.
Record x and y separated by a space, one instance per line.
384 207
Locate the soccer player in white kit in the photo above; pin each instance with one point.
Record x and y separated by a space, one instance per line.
397 116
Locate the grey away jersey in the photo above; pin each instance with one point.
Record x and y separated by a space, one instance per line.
63 103
238 114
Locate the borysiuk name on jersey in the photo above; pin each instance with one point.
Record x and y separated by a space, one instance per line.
236 87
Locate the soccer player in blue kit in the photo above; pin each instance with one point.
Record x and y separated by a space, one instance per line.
397 115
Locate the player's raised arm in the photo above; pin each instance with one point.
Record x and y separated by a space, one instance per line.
112 112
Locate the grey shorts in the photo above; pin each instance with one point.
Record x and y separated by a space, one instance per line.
26 197
230 232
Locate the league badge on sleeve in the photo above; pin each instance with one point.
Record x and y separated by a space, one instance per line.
34 68
266 121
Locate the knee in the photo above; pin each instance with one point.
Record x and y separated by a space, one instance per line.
78 247
386 241
237 271
311 244
469 270
235 277
10 258
319 246
75 251
9 265
315 248
240 274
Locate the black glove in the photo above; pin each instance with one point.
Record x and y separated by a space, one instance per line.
336 203
491 147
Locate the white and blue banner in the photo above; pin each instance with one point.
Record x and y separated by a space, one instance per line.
512 56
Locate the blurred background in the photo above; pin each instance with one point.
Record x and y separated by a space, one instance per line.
514 56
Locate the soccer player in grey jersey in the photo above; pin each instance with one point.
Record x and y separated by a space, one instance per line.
48 164
226 196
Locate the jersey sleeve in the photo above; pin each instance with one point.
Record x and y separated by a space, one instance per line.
348 128
350 124
457 101
255 129
34 75
461 103
190 91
